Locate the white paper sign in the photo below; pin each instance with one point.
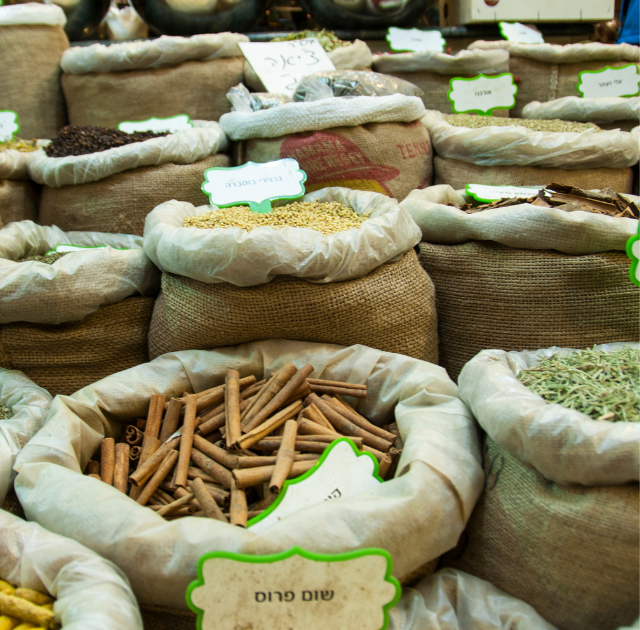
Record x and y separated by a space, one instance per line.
342 474
624 81
281 65
413 39
494 193
519 33
157 125
8 125
482 94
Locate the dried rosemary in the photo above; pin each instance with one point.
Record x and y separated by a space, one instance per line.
602 385
5 412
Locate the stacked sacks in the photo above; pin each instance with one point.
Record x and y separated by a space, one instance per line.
83 317
523 276
557 525
19 197
518 156
168 76
546 72
223 287
32 41
114 190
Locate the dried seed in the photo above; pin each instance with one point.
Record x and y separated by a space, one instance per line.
558 126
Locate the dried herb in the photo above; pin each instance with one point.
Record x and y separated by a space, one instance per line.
47 259
5 412
17 144
327 39
557 126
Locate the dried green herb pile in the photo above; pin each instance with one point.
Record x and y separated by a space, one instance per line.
556 125
602 385
48 259
327 39
5 413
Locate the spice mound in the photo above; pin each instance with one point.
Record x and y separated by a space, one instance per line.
602 385
23 608
556 125
17 144
5 414
325 217
75 140
47 259
327 39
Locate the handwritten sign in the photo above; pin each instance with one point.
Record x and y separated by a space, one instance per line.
519 33
482 94
294 589
487 194
157 125
624 81
255 185
341 472
415 40
281 65
8 125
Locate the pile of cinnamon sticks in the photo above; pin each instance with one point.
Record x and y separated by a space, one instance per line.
225 452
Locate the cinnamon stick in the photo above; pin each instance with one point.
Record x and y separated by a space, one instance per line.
284 459
167 509
340 384
360 421
147 468
133 436
219 495
134 453
93 467
232 407
192 473
313 413
269 425
308 427
217 454
171 420
107 460
238 506
376 453
247 477
121 468
353 393
212 468
154 418
218 420
384 465
206 501
158 477
95 476
186 443
214 393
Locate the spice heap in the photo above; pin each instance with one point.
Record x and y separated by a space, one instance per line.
602 385
224 453
556 125
75 140
5 414
22 608
327 39
17 144
47 259
326 217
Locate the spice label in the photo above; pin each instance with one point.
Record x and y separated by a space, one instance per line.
341 473
487 194
623 81
8 125
519 33
414 40
633 252
157 125
253 184
482 94
294 589
281 65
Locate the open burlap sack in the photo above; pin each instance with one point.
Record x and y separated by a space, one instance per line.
114 190
29 405
432 71
550 71
415 517
371 143
105 85
32 41
91 593
19 197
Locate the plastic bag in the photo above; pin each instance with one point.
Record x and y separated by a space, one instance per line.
244 101
595 110
32 13
125 24
15 164
465 62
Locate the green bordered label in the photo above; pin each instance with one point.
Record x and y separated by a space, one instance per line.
414 40
157 125
294 589
633 252
9 126
254 185
623 81
487 194
519 33
482 94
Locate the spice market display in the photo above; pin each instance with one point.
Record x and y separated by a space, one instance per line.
308 329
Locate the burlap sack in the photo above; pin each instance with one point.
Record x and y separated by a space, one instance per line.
432 71
19 201
366 143
415 517
168 76
32 41
546 72
91 593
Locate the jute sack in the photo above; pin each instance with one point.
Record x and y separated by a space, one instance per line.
558 525
373 143
432 71
106 85
416 516
91 593
550 71
114 190
29 405
32 41
19 197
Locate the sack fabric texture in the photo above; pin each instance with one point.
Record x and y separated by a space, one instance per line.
91 593
31 78
19 201
106 85
416 516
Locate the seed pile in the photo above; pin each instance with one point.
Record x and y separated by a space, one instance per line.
47 259
17 144
23 608
602 385
5 414
325 217
75 140
327 39
476 122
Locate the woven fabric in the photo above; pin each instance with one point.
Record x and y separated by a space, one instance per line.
388 158
568 550
391 309
196 88
64 358
120 203
31 78
493 296
160 618
458 174
18 201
